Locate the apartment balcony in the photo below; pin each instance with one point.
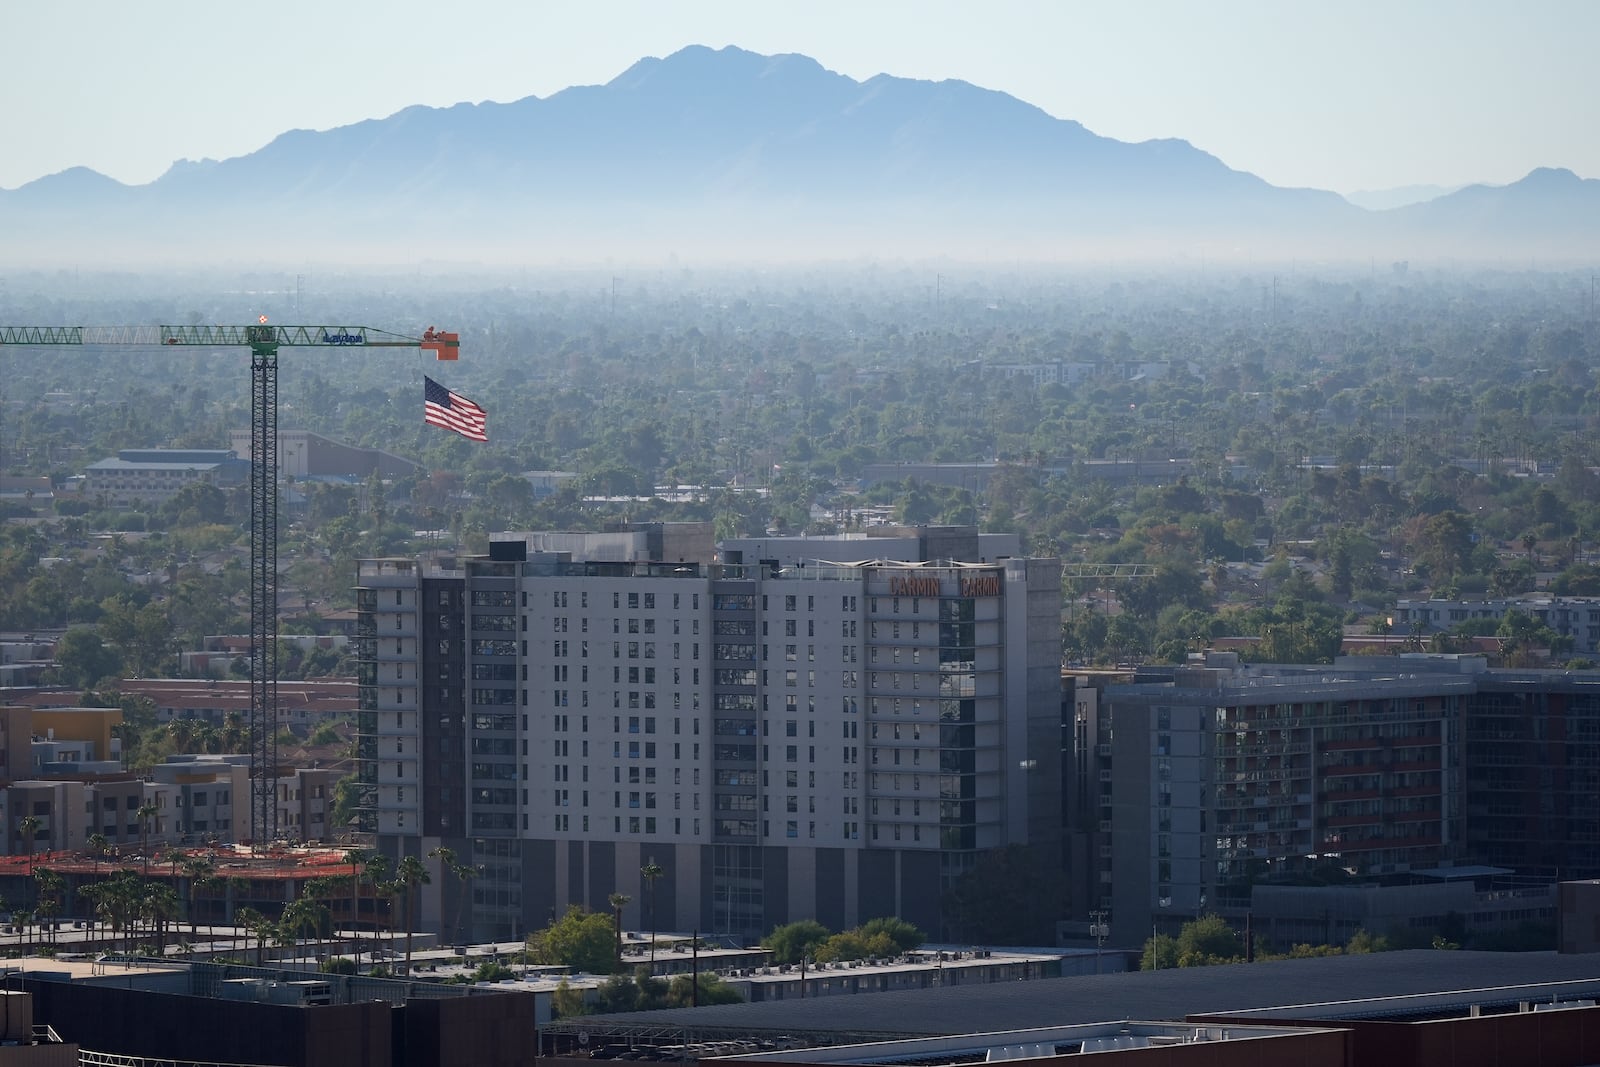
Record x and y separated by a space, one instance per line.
391 569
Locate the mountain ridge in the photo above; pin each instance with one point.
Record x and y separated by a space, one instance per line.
713 148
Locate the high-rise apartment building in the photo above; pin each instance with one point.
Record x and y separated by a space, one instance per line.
788 728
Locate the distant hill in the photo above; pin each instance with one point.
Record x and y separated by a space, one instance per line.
1400 196
728 153
1528 215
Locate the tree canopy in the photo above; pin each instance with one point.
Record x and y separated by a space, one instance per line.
580 939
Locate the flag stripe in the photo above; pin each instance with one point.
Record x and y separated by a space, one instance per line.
452 411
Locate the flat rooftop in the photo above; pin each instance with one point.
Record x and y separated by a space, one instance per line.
1312 987
1022 1044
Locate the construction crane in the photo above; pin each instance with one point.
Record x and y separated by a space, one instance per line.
263 340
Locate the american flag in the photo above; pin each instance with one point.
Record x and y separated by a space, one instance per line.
441 407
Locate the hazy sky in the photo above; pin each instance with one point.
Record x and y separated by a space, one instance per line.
1338 94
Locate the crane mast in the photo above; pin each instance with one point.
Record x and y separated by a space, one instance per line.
264 340
263 591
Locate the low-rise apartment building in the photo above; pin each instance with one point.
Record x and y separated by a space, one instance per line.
1577 617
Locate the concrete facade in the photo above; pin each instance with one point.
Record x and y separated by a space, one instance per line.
785 735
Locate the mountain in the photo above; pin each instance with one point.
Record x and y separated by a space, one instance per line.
1400 196
703 153
1531 215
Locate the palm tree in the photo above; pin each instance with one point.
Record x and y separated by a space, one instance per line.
304 913
116 900
147 814
97 847
28 826
201 872
465 873
411 873
255 925
323 890
356 858
650 872
283 933
618 901
376 867
160 905
447 865
235 734
49 889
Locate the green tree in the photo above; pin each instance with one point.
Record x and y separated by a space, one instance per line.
1363 942
346 798
902 934
1208 940
84 661
580 939
855 945
685 992
1160 953
618 993
652 990
1444 543
1579 579
792 941
568 1001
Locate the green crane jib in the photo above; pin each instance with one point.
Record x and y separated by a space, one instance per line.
262 335
263 339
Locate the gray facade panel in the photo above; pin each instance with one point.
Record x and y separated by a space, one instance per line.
706 867
774 884
661 900
575 871
538 883
875 886
602 874
831 909
920 891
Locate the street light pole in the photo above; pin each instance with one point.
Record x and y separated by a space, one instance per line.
1099 918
